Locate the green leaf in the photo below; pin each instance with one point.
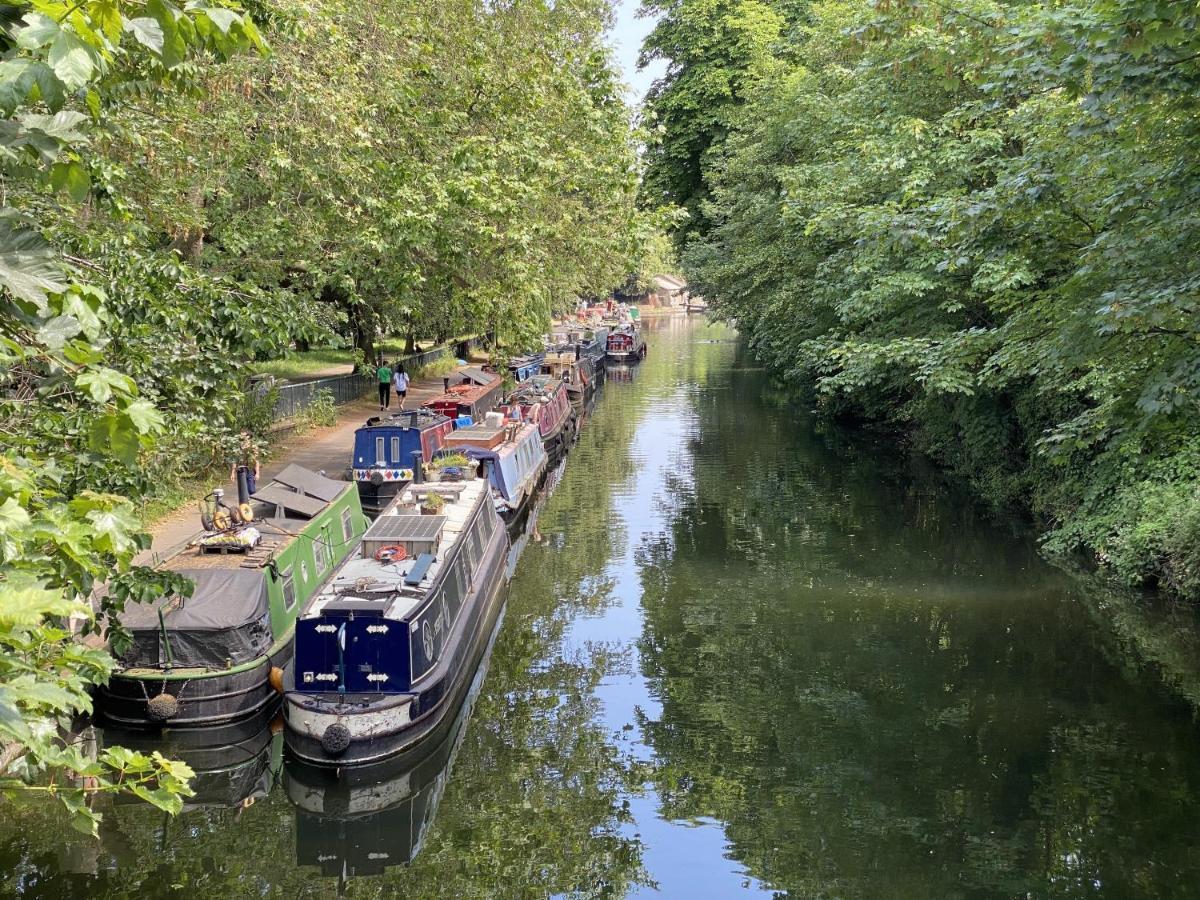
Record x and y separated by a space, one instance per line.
55 333
222 18
144 416
147 32
103 382
114 435
13 516
72 178
17 79
28 265
71 60
39 31
27 606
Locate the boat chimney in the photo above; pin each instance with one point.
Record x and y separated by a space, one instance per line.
413 417
446 385
418 474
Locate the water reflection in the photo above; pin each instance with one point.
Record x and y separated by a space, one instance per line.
740 654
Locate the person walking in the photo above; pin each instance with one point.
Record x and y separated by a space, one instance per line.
384 374
400 383
246 458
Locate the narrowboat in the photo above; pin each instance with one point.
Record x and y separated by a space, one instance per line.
591 341
391 641
525 367
208 659
511 457
368 818
625 343
476 394
696 305
543 401
387 448
579 373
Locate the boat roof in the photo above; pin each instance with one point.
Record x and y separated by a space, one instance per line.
300 494
367 579
525 432
420 418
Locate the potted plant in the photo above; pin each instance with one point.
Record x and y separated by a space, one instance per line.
432 504
451 466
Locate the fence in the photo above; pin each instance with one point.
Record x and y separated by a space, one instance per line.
294 398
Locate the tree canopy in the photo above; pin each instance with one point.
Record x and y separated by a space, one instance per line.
187 189
974 224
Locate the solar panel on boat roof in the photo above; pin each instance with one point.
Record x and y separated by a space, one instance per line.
406 528
311 483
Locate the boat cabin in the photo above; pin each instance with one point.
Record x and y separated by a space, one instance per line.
382 622
387 448
525 367
250 581
511 456
476 393
542 401
626 342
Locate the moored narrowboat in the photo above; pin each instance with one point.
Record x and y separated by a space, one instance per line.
543 401
625 343
580 373
387 646
523 368
386 449
207 659
511 456
475 394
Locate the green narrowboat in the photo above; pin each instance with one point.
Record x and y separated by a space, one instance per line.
217 656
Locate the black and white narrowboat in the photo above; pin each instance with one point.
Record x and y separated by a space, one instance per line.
385 648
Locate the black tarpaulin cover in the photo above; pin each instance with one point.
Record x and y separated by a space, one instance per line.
226 621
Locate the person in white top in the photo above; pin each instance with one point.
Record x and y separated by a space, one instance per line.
400 383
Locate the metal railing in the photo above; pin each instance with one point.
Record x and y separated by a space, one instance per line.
294 398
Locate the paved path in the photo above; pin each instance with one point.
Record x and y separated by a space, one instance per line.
316 449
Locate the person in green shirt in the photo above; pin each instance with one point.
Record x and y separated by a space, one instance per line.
384 374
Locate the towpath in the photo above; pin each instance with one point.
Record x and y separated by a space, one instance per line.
315 449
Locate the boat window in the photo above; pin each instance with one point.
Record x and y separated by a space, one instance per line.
318 549
453 589
396 450
468 557
289 589
477 540
347 526
303 572
380 459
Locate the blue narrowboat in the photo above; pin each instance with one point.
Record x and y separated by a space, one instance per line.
525 367
386 450
399 630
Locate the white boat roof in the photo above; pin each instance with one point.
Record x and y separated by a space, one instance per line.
362 578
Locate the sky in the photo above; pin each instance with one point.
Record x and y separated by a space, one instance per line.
626 39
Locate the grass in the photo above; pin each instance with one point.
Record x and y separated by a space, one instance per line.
318 362
306 364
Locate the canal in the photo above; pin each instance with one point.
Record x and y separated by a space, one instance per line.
742 654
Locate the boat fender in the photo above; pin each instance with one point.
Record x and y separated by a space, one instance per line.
161 708
247 512
336 739
275 677
377 478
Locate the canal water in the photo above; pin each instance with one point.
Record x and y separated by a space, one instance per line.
741 655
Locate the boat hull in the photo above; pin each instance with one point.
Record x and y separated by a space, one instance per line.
381 726
203 700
